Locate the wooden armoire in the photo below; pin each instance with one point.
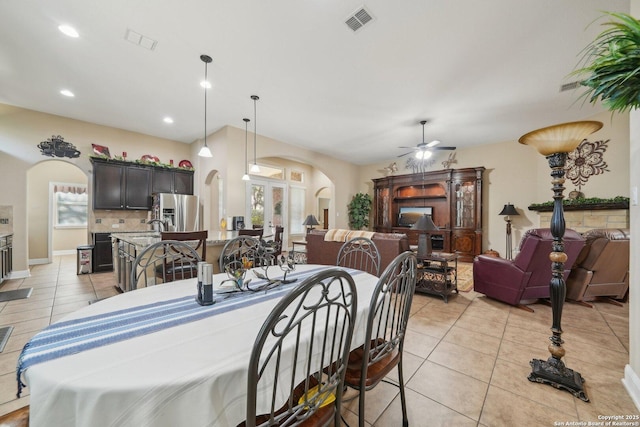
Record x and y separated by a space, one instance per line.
452 196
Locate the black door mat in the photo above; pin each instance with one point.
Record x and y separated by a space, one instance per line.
17 294
5 333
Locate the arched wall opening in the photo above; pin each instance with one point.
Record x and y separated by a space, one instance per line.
45 240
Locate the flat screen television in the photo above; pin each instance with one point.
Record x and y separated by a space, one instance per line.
408 215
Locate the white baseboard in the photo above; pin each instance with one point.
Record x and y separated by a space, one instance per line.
19 274
631 382
65 252
37 261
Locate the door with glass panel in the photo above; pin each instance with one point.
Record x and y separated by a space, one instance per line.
267 202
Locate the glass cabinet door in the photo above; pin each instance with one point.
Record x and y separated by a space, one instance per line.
465 204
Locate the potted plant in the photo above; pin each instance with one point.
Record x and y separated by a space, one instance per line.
612 65
359 209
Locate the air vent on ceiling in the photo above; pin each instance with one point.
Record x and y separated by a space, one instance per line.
358 19
569 86
139 39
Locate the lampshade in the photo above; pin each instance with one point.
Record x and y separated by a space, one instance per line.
254 167
205 151
310 220
425 223
508 209
562 138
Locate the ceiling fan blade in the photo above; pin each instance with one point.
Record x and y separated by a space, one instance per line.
442 148
410 148
402 155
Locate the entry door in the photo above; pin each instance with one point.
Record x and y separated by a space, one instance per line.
267 203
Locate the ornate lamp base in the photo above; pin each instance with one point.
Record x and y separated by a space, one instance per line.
554 373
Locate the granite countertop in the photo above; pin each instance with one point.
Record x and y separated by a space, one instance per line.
143 239
2 235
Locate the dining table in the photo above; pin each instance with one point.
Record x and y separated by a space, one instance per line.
155 357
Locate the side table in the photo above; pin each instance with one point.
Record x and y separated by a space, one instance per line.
438 274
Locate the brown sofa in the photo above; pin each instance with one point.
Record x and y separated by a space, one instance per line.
602 268
324 252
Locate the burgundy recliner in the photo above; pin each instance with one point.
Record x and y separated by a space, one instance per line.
527 277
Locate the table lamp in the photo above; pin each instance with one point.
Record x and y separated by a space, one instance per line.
310 221
424 223
508 210
554 142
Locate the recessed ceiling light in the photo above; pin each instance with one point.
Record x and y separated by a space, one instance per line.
205 84
67 92
168 120
69 31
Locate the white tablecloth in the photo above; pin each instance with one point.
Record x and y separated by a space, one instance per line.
189 375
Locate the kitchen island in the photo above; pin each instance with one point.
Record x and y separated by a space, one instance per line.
126 246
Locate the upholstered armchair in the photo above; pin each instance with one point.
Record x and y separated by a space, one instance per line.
602 268
526 278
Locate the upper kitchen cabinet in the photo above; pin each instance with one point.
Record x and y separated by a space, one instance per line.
108 185
172 181
125 185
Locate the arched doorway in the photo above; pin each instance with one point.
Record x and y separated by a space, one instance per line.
44 237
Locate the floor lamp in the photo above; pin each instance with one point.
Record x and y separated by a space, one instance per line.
508 210
554 142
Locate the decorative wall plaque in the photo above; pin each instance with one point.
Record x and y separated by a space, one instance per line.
585 161
57 147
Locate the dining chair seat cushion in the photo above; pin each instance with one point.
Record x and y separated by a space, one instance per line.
376 372
320 418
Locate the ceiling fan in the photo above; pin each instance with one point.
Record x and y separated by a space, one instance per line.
424 149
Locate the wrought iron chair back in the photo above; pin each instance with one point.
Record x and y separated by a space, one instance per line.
166 260
244 249
360 253
386 327
298 362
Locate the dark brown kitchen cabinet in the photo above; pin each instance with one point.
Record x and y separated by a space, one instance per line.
172 181
108 186
454 198
137 193
126 185
102 252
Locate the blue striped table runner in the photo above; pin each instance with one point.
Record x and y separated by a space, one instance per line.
74 336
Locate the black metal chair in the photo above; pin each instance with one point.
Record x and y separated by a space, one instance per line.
360 253
243 249
289 359
274 247
167 260
386 326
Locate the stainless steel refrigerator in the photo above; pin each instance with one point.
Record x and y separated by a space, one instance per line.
178 212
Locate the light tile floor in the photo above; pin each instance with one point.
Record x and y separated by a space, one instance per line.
466 362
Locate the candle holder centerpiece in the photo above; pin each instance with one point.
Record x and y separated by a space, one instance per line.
555 142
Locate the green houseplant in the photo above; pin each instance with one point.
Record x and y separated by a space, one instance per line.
359 209
612 64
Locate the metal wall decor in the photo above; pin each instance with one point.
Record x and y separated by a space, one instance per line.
419 165
57 147
585 161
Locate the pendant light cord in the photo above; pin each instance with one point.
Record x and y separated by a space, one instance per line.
206 82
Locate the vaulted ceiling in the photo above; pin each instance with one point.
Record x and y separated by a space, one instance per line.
479 72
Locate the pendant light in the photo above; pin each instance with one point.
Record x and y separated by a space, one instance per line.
254 167
205 151
245 177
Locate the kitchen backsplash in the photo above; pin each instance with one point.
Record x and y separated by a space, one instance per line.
6 219
112 221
